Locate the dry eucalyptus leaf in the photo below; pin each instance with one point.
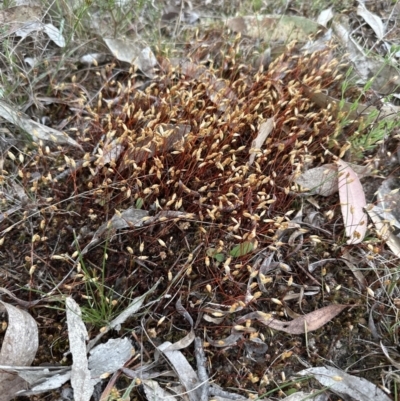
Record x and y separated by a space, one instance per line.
325 16
383 75
109 357
353 203
226 342
35 130
275 28
309 322
129 52
155 392
218 394
323 180
28 28
372 20
265 129
345 385
51 31
130 217
187 376
383 231
182 343
319 180
77 335
110 153
388 195
30 3
54 34
201 362
93 58
43 384
14 18
19 348
390 359
215 320
303 396
39 374
362 281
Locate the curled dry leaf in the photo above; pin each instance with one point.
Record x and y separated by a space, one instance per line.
388 201
352 262
183 342
215 320
390 359
35 130
345 385
155 392
14 18
323 180
372 20
19 348
187 376
227 342
353 203
325 16
182 311
309 322
371 324
36 26
383 230
110 154
130 217
319 180
54 34
45 382
382 75
188 339
129 52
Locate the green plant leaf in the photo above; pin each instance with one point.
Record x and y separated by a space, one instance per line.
139 203
241 249
219 257
212 253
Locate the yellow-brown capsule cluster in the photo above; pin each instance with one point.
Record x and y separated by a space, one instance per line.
184 142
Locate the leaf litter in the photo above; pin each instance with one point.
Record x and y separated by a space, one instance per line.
303 324
78 335
85 372
34 129
18 348
343 384
353 203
